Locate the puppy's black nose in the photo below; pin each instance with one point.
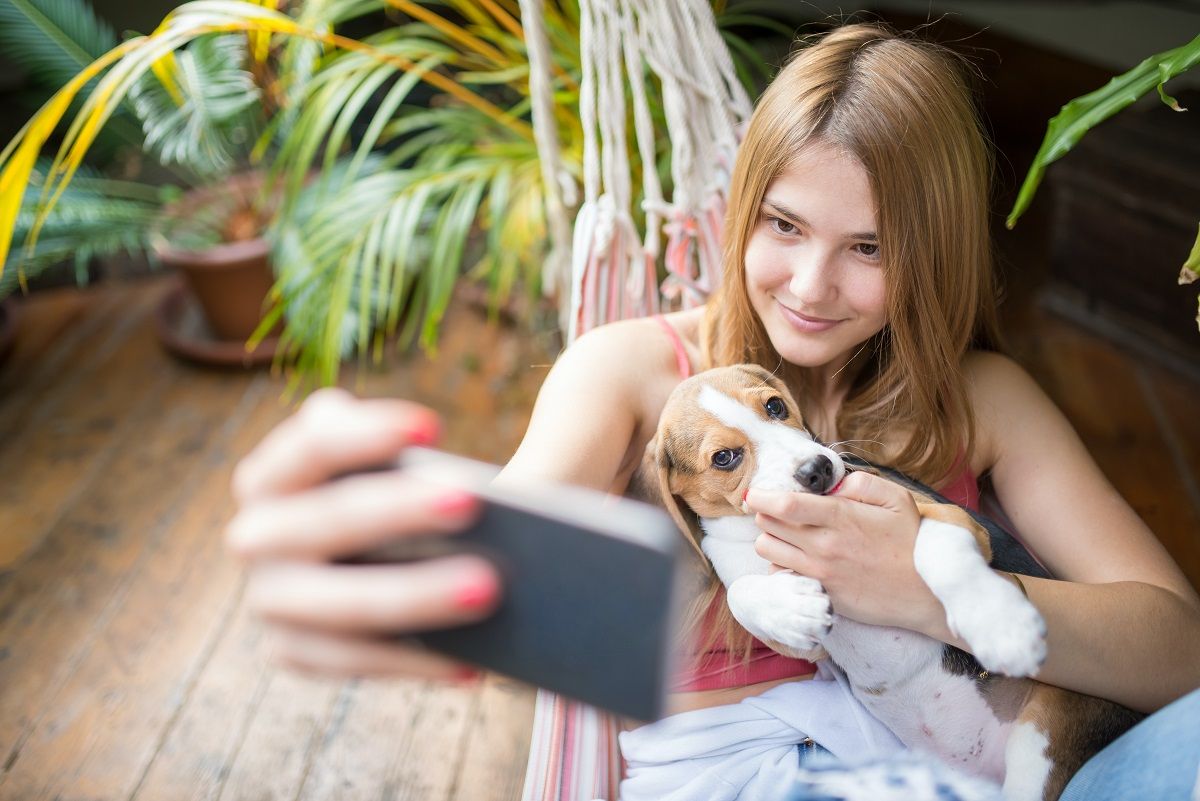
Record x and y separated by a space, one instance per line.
815 475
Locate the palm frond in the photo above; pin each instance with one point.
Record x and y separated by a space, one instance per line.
96 216
214 123
129 61
373 251
334 98
53 40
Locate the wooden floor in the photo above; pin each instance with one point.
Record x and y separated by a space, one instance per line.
128 667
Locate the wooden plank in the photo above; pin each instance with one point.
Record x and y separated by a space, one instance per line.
65 338
1174 404
1100 391
431 753
497 746
64 442
197 753
203 739
287 727
356 756
52 323
79 616
483 382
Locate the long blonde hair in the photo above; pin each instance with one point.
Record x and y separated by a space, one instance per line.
904 109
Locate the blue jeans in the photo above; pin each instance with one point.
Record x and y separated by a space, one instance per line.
1157 759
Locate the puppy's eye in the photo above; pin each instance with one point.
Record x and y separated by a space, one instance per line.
727 459
777 409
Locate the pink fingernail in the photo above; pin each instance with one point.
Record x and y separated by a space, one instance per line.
468 675
478 593
426 432
455 504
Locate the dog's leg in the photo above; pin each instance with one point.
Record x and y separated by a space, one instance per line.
1002 628
1041 754
782 609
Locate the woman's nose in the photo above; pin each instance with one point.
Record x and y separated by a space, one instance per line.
812 278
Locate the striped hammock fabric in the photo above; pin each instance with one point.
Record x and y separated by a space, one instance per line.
573 755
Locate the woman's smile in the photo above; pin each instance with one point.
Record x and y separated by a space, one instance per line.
804 322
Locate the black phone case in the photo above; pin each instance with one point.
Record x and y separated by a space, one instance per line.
588 607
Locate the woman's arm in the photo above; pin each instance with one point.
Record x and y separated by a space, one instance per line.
591 409
1123 622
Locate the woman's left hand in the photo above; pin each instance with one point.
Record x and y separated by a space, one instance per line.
857 542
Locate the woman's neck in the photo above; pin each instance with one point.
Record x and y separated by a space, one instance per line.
826 388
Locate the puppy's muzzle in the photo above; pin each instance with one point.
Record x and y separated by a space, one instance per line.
815 475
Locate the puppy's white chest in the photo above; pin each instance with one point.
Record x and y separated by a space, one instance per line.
729 544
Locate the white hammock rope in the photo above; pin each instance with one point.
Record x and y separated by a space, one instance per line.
573 753
613 273
556 272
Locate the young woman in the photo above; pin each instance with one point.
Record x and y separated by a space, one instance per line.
858 267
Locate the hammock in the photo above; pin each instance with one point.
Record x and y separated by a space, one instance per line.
612 271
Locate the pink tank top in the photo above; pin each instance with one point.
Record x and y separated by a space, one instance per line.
718 669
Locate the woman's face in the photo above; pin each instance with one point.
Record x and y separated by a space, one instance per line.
813 268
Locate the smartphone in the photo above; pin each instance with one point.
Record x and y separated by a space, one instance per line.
592 586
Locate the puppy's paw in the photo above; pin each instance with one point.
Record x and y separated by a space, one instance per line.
784 608
1003 629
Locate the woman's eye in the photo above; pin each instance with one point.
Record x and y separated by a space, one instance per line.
727 459
776 408
781 226
868 249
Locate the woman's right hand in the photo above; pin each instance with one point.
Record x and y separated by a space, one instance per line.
301 505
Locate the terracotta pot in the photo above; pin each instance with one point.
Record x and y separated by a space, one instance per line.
230 280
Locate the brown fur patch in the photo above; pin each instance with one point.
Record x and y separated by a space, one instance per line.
1077 727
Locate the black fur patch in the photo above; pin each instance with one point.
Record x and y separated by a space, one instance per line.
958 662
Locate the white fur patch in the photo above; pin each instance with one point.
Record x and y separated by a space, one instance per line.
728 543
778 448
1027 765
783 607
1003 629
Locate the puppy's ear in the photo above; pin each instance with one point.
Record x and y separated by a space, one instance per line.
684 517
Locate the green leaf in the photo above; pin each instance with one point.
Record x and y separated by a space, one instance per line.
212 130
1190 271
1083 113
52 40
95 216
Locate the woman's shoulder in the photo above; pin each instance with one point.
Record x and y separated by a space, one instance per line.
1004 398
994 379
640 347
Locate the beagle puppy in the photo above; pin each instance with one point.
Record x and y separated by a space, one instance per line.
730 429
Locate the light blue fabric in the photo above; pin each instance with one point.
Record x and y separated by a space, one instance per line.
1157 759
906 776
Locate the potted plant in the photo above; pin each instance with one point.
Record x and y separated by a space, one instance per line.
378 200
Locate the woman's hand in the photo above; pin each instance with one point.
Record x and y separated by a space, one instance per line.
293 519
858 543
